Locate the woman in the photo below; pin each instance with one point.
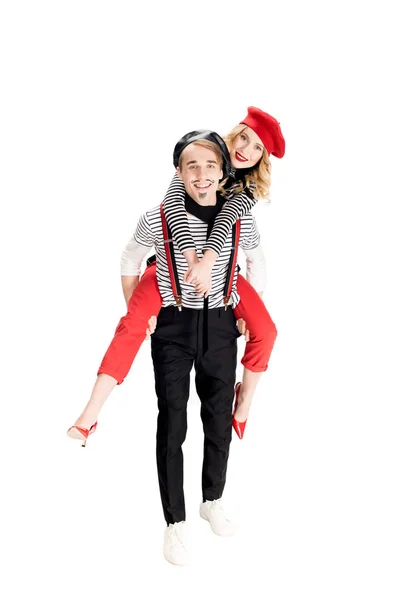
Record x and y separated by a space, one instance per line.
250 143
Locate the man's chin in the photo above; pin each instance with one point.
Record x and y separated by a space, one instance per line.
203 194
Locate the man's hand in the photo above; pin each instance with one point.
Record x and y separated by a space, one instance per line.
199 275
241 325
151 327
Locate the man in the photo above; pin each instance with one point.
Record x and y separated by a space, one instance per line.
192 330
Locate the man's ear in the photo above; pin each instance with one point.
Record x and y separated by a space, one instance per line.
179 173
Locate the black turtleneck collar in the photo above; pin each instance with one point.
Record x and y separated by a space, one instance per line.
205 213
208 214
239 174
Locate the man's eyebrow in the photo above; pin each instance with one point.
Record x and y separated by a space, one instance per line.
193 162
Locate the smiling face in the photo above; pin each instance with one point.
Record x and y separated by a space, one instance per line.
247 149
200 170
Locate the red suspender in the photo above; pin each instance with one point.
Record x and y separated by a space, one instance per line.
169 251
173 273
232 263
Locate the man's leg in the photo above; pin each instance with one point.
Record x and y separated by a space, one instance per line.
215 380
173 360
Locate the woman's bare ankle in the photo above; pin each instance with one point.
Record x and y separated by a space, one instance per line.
85 420
242 410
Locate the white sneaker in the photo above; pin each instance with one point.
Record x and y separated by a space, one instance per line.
174 550
212 511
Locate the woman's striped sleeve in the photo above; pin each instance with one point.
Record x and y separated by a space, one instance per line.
233 210
174 207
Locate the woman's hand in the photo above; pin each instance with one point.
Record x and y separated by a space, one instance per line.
151 327
241 325
199 275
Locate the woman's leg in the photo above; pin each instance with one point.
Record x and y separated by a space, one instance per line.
247 389
131 330
258 350
101 390
129 335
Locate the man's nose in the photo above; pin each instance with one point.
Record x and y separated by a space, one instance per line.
202 172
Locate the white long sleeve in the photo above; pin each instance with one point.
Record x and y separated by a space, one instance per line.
255 268
132 257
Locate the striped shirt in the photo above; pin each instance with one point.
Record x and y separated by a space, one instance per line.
174 206
149 233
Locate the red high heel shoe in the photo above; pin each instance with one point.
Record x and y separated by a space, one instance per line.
80 433
238 426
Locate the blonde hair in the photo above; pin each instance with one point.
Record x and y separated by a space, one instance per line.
259 178
217 151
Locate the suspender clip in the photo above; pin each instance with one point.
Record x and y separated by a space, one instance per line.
178 302
226 301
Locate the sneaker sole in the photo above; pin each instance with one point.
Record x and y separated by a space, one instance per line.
183 564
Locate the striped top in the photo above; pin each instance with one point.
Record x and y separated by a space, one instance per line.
174 207
149 233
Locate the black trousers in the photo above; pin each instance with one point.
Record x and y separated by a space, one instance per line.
177 344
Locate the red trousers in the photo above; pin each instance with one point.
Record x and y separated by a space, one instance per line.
146 301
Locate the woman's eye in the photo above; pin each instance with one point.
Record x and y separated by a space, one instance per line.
258 148
243 136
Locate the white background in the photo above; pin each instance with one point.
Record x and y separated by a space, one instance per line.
94 97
